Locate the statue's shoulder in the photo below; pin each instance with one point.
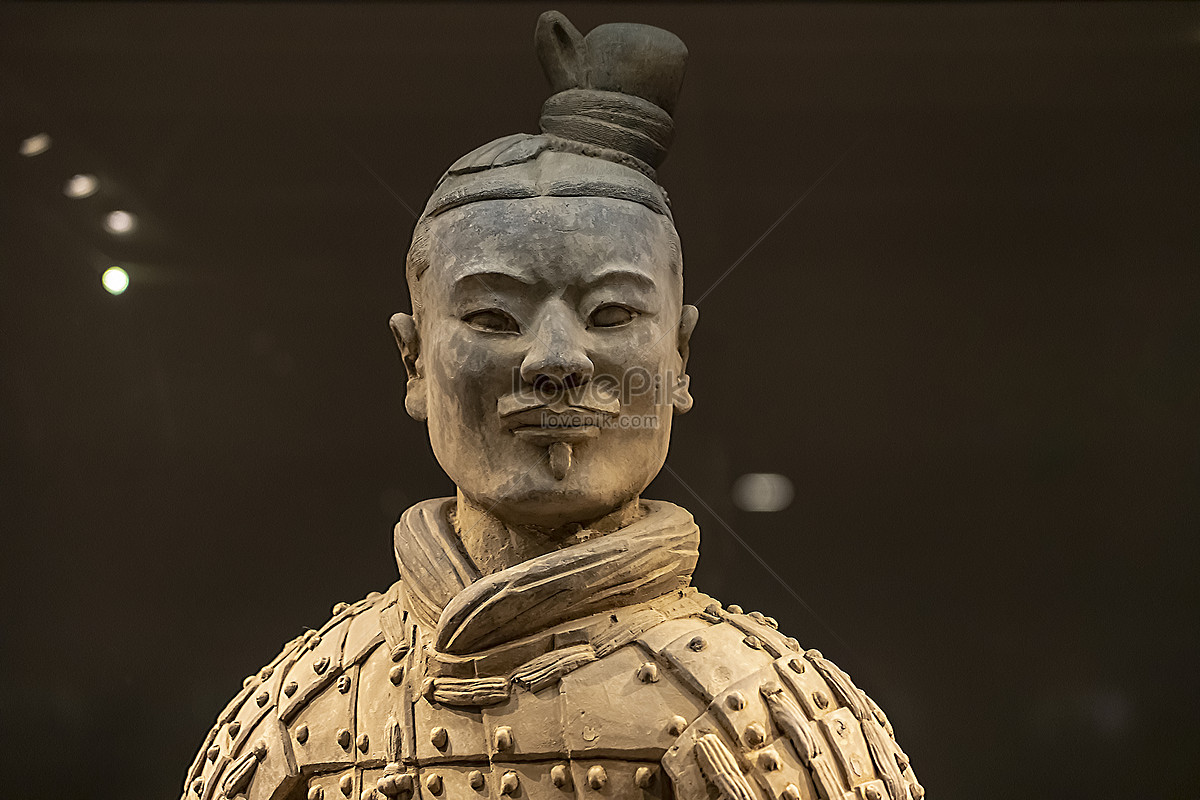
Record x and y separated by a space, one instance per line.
299 711
780 722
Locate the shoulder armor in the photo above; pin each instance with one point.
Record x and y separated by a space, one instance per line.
265 737
780 724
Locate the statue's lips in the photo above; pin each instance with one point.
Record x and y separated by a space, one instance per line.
544 427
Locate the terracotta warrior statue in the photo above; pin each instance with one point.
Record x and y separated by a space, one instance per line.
543 639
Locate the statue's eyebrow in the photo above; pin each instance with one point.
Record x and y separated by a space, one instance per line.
614 274
493 274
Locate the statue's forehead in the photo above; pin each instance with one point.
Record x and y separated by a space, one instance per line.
583 232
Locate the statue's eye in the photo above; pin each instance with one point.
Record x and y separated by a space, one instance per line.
611 316
492 320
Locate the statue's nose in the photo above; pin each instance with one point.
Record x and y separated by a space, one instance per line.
557 354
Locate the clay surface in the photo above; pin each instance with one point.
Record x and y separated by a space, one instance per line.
544 639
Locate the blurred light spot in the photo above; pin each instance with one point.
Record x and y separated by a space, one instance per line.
115 280
35 145
82 185
120 222
763 491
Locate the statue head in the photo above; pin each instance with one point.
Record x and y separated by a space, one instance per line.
548 344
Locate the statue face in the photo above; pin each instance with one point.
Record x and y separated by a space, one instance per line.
549 353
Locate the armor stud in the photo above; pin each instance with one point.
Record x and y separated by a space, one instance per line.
290 688
792 644
697 644
752 642
339 608
346 784
676 725
249 679
917 791
313 641
509 783
343 738
758 617
439 737
643 777
475 779
648 672
790 792
872 793
316 793
433 782
213 752
755 735
796 664
302 734
736 701
821 700
396 675
343 684
734 609
769 760
198 785
597 777
364 742
503 738
235 727
561 776
320 665
387 786
261 698
771 622
260 750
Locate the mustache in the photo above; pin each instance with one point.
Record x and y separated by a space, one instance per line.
591 397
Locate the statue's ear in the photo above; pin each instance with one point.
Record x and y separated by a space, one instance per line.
404 328
562 51
681 395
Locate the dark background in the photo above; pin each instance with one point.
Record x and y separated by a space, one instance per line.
972 347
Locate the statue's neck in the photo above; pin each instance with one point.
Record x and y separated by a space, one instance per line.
495 545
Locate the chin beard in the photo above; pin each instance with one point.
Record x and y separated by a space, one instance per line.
560 460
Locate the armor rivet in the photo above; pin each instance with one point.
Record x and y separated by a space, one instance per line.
308 634
872 793
769 760
404 782
714 609
790 792
249 679
387 786
367 794
235 727
260 750
820 699
316 793
917 790
796 664
697 644
901 762
314 641
265 673
302 734
648 672
346 784
676 725
755 735
213 752
509 783
343 684
321 664
399 651
364 742
757 616
396 675
752 642
771 622
439 736
373 595
736 701
643 777
433 782
597 777
261 698
339 608
734 609
290 688
561 776
792 645
814 654
503 738
343 738
475 778
198 785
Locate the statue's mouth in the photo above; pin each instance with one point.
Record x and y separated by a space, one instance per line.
543 427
